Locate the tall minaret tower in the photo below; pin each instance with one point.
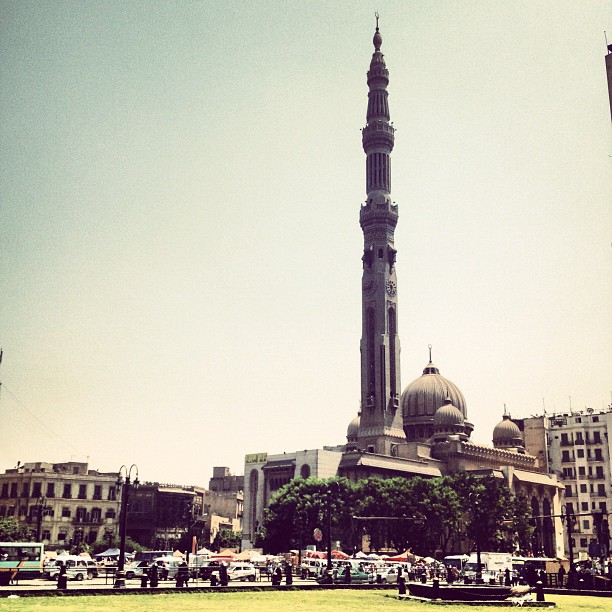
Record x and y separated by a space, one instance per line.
380 426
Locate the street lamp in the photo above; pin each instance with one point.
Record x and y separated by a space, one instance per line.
476 518
567 513
124 484
41 507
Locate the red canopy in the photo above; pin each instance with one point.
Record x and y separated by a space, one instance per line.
338 554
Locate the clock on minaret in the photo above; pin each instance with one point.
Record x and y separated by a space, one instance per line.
391 288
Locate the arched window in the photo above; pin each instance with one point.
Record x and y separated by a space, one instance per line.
305 471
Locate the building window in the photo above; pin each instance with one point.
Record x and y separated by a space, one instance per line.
97 492
81 514
580 453
50 489
598 455
568 490
583 542
305 471
4 490
603 507
46 535
25 489
82 491
601 490
584 506
36 489
581 471
565 456
66 512
583 488
564 439
61 537
112 493
599 473
67 494
110 514
96 515
13 489
596 437
92 536
595 419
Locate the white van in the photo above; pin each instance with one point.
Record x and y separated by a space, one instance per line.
77 568
313 568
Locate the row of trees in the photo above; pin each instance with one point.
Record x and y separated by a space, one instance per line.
425 515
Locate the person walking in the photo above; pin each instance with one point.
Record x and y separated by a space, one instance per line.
153 575
182 576
561 575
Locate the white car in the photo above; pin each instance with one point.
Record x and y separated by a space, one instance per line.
384 575
242 572
136 569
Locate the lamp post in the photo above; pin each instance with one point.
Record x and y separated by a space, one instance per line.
41 506
477 522
125 484
568 515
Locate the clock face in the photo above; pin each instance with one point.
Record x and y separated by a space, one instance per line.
391 288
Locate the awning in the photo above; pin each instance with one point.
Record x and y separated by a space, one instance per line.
279 464
536 478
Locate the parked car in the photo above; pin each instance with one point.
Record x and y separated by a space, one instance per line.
77 568
207 568
168 567
136 569
357 577
384 575
242 572
313 568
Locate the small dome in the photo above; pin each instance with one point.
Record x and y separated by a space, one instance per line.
507 433
448 415
353 429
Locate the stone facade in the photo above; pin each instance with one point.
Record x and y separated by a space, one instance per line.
62 504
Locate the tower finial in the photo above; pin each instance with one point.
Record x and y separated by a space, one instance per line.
377 37
429 345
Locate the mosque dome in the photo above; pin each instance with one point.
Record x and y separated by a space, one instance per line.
507 434
448 416
422 398
353 429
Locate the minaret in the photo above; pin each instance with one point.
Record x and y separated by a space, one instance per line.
381 420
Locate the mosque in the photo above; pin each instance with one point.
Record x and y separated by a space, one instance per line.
423 430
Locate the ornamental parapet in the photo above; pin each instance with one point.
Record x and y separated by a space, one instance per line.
497 454
378 134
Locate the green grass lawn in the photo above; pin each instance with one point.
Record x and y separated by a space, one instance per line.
294 601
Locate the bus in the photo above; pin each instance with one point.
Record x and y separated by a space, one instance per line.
20 560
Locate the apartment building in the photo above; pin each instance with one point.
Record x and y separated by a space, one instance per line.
62 504
577 447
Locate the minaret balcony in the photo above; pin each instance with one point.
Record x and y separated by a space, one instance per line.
378 134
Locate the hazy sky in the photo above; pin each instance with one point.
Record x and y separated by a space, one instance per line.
180 250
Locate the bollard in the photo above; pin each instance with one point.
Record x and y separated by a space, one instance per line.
62 581
539 591
213 580
401 585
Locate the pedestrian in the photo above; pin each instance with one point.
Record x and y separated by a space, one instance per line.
153 575
561 575
62 577
182 576
347 574
277 576
507 581
223 579
288 574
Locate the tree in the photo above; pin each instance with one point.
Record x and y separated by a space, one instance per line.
12 531
229 538
303 505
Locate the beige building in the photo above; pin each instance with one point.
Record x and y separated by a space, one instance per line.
62 504
576 446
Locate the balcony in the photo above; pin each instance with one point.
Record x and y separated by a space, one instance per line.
87 520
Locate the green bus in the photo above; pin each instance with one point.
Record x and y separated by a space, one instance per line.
20 560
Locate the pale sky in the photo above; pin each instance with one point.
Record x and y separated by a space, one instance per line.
180 250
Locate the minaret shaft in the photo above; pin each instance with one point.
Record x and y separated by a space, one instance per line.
381 420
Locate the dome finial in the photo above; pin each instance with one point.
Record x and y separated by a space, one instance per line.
377 37
429 346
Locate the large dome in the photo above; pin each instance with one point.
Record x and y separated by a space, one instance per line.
422 398
353 429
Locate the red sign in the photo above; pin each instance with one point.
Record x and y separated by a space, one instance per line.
317 534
